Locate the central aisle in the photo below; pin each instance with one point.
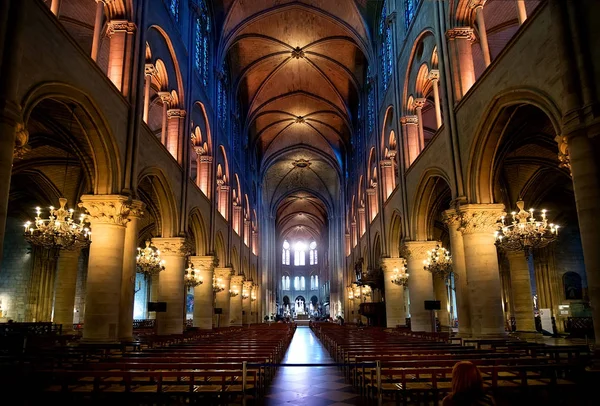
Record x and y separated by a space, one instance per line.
318 386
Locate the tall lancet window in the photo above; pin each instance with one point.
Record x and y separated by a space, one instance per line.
387 60
174 9
296 283
202 32
302 283
313 253
285 253
285 282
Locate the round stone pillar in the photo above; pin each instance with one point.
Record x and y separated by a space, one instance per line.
129 267
420 284
478 224
203 294
235 303
222 300
153 294
394 294
65 286
246 304
457 250
171 285
108 217
440 290
520 282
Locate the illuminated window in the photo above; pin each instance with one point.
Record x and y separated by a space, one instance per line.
296 283
302 283
285 253
370 102
174 8
313 253
202 33
387 60
299 254
410 8
222 98
285 282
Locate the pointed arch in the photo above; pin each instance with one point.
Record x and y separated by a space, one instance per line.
160 187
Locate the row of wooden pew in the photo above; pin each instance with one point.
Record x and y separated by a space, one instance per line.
413 367
212 367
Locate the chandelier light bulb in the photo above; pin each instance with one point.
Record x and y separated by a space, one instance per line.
148 260
439 262
399 275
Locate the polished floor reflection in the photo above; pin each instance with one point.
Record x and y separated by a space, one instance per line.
309 385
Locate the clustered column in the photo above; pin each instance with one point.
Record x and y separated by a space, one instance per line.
172 288
394 294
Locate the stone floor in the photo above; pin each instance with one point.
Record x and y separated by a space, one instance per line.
310 386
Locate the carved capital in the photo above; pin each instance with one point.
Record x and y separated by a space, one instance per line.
237 280
206 158
223 273
106 209
418 249
175 113
434 74
419 103
150 69
385 163
461 33
389 264
563 153
136 209
21 140
480 218
476 3
452 218
115 26
410 120
205 263
165 97
248 285
174 246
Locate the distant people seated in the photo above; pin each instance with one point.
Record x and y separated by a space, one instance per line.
467 387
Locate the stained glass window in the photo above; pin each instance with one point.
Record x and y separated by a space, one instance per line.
174 8
410 8
202 32
387 59
222 98
370 102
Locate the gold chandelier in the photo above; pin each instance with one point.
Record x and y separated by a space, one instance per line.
400 276
59 230
438 262
525 232
218 285
148 260
192 278
233 293
253 296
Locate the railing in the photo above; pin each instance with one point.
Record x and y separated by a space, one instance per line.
579 326
38 329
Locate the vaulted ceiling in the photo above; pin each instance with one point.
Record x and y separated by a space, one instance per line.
297 68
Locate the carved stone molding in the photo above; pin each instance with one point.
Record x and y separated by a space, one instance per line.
175 113
418 249
461 33
115 26
165 97
203 263
206 158
480 218
476 3
21 141
106 209
173 246
136 209
297 53
452 218
410 120
223 273
419 103
150 69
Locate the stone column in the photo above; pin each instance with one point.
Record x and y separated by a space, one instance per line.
223 275
412 138
128 276
586 185
154 287
362 221
254 310
394 294
175 119
165 97
172 288
236 217
457 250
203 294
54 7
372 199
235 303
246 304
108 218
65 286
520 281
440 289
483 41
459 40
120 58
477 225
522 11
434 76
149 72
203 166
419 103
223 199
247 239
420 284
97 28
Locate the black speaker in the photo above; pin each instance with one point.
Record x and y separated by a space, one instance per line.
433 305
218 310
158 307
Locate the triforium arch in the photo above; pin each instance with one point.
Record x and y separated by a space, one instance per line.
154 185
103 161
395 235
432 197
197 228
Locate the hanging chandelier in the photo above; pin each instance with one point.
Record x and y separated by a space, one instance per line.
233 293
192 278
218 285
245 294
525 232
438 262
59 230
366 292
400 277
148 260
253 296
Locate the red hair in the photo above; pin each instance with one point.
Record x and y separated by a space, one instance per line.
466 379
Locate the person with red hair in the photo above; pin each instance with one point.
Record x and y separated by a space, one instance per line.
467 387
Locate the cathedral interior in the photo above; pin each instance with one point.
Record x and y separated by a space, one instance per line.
196 193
